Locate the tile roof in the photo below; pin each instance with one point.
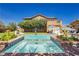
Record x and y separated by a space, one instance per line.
53 18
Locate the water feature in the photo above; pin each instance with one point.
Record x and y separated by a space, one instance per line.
40 43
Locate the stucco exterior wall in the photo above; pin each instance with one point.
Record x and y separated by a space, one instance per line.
51 23
54 26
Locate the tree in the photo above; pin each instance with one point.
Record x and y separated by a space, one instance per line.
40 24
32 24
2 27
11 26
26 24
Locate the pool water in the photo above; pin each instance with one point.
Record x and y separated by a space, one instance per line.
36 44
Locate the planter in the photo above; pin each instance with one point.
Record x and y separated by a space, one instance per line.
6 44
14 41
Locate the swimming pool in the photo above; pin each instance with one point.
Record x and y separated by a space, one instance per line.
36 44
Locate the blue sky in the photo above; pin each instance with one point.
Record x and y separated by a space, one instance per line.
16 12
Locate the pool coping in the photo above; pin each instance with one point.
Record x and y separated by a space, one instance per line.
15 39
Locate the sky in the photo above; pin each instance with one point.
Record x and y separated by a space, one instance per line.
15 12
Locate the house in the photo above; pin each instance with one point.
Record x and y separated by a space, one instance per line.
53 24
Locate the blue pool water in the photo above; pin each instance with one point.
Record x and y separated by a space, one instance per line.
36 44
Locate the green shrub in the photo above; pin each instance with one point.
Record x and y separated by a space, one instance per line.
8 36
63 37
72 38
